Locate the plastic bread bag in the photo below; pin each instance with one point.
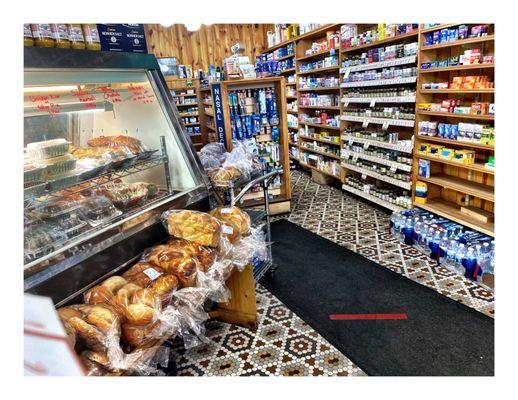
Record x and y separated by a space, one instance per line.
234 216
213 283
195 226
248 248
240 159
212 155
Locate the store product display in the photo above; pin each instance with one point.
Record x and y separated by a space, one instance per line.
463 132
321 118
321 147
381 153
455 247
379 94
385 74
469 57
327 62
462 156
378 136
317 82
309 132
379 169
320 163
350 37
64 36
460 32
462 82
406 113
322 100
455 107
401 52
382 191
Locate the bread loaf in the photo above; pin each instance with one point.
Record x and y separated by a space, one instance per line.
140 314
90 335
165 285
178 262
205 255
134 335
114 283
98 295
234 216
143 274
194 226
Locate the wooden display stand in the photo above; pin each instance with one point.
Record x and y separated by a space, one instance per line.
241 309
453 185
280 203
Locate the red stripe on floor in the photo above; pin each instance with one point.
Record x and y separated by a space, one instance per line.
352 317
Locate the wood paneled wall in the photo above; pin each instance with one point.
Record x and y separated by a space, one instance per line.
209 45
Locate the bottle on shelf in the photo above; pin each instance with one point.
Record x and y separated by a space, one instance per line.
76 37
60 32
91 35
43 36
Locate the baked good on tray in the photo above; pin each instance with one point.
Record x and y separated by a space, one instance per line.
194 226
120 141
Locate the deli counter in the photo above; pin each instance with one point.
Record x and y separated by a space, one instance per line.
104 155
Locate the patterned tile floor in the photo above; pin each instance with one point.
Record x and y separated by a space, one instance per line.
283 343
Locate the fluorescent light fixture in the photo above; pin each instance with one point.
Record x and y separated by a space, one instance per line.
47 89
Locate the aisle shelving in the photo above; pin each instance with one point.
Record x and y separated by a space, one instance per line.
371 198
383 178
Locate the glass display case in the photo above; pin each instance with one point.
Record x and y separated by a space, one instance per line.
104 154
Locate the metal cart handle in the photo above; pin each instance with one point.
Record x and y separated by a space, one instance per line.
263 178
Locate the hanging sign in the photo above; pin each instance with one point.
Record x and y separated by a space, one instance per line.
122 37
218 113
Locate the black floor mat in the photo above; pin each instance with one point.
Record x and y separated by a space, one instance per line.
316 278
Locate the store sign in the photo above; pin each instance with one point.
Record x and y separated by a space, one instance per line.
218 113
122 37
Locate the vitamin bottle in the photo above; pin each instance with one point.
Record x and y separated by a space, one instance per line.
75 34
61 37
42 34
91 35
27 35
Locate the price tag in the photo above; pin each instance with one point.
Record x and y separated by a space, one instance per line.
393 169
152 273
385 125
373 103
364 176
347 72
365 124
366 145
351 142
346 103
226 229
355 158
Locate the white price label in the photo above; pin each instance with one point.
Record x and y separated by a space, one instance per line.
351 142
152 273
373 103
393 169
226 229
364 176
366 145
346 103
385 125
226 210
365 124
355 158
347 72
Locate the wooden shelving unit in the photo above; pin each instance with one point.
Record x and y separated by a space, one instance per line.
403 127
452 185
208 126
180 90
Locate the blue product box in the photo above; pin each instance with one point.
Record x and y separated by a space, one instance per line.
424 168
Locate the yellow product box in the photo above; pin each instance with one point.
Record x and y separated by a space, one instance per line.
447 153
435 150
455 86
424 106
467 86
424 148
465 156
458 79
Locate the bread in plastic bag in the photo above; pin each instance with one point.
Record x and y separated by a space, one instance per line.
195 226
212 155
234 216
205 255
178 262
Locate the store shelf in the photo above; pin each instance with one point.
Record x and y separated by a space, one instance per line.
212 128
380 82
378 160
293 127
377 143
473 167
292 143
188 114
456 91
319 140
315 55
319 89
290 97
192 124
452 211
372 174
287 70
285 57
370 100
462 42
318 70
334 108
382 42
456 68
184 95
461 116
186 104
292 112
374 199
380 64
319 125
476 189
322 153
318 169
209 113
437 139
291 83
380 121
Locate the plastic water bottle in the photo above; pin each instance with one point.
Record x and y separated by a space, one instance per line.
443 246
408 231
470 265
419 227
434 245
449 259
459 258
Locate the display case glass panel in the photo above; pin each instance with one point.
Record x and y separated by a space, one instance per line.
99 149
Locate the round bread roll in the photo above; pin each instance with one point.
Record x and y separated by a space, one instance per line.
90 335
104 319
114 283
134 335
128 289
140 314
165 284
98 295
146 296
233 215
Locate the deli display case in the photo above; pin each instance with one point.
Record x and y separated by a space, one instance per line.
105 154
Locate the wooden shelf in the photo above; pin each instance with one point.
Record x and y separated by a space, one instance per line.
319 140
372 198
319 125
291 83
452 211
292 143
379 82
294 158
456 91
211 127
320 89
392 99
323 153
449 142
279 45
292 112
285 57
379 160
474 167
314 55
334 108
456 68
461 42
461 185
377 143
192 124
381 42
184 95
186 104
439 27
288 70
380 121
188 114
319 170
373 174
461 116
381 64
293 127
291 97
319 70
